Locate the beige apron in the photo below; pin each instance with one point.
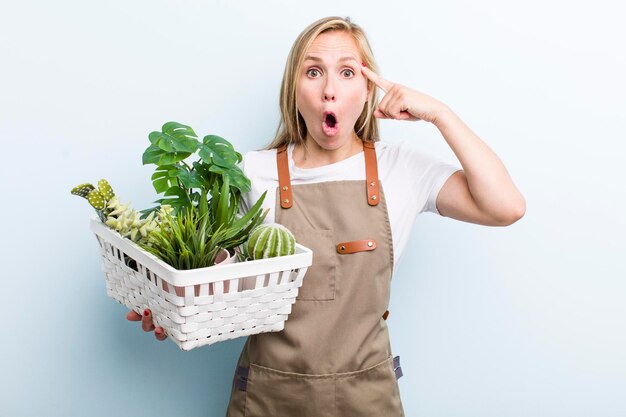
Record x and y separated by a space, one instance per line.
333 358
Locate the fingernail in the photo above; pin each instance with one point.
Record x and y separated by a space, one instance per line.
146 312
158 331
363 63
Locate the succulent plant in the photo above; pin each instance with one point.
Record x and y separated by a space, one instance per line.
83 190
128 222
105 189
270 240
97 197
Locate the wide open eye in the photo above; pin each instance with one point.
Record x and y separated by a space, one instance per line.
312 70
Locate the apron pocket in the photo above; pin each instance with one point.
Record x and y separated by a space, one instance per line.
273 393
319 282
371 392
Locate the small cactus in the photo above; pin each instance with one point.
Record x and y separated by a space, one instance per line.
83 190
97 197
105 189
120 217
270 240
96 200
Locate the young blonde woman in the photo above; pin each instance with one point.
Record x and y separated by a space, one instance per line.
353 200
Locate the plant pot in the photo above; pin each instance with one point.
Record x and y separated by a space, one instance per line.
249 282
223 257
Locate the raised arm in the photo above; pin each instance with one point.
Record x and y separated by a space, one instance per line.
483 192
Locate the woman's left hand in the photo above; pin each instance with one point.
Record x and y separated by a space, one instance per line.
403 103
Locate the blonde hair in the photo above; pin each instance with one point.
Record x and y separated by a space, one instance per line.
291 128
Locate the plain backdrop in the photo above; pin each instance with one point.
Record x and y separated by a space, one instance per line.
526 320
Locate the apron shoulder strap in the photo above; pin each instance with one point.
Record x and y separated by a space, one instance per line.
284 180
371 175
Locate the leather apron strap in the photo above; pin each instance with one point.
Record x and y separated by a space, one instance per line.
371 175
284 180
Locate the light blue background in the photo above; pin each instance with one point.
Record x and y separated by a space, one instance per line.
527 320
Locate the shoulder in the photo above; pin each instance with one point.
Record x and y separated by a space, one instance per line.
260 164
402 155
394 150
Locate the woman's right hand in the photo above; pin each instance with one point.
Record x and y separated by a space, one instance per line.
146 323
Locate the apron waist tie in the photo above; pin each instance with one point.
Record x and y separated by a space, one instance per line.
396 367
241 382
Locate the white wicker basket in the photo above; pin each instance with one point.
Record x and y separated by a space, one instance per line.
207 305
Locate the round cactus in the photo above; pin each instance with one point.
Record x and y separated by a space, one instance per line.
270 240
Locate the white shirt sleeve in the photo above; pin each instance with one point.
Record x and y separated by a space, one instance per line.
434 179
427 172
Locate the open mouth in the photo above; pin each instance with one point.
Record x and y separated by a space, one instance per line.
330 125
330 119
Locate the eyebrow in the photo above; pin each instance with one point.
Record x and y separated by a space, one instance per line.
343 58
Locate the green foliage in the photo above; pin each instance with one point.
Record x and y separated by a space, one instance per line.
183 183
126 221
105 189
191 240
96 200
82 190
209 187
201 185
97 197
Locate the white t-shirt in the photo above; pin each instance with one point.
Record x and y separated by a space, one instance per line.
410 180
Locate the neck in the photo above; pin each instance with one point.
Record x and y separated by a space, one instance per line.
311 155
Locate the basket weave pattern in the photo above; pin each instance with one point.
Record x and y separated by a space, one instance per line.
202 306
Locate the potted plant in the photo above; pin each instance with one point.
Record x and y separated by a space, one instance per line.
164 258
205 193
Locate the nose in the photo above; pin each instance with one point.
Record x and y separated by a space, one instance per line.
329 90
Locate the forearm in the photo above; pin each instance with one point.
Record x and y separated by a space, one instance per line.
489 182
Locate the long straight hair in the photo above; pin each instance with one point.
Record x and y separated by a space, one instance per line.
292 128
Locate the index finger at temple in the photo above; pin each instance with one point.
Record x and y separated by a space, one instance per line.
378 80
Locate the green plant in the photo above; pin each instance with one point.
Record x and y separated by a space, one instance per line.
270 240
186 183
99 198
119 217
199 213
205 195
127 221
188 241
212 185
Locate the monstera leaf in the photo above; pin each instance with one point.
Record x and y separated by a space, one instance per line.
172 144
235 175
216 150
